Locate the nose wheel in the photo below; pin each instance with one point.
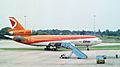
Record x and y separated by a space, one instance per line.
88 48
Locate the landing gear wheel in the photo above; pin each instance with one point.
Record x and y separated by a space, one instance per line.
50 49
47 49
88 48
54 49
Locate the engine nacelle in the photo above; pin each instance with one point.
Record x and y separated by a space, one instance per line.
21 32
19 38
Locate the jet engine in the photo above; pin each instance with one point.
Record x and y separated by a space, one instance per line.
19 38
21 32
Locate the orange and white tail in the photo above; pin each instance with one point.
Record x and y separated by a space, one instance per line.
15 24
17 28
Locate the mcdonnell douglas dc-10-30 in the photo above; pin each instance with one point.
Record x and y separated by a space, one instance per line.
20 34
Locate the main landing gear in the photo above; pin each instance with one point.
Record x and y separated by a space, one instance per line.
51 49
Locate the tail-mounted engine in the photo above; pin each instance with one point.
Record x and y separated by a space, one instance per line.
19 38
21 32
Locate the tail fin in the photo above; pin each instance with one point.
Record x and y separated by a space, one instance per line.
17 28
15 24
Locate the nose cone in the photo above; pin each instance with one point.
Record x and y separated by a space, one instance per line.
99 41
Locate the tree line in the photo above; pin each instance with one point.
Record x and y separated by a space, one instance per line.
107 32
83 32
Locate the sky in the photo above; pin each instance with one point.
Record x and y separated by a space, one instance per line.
62 14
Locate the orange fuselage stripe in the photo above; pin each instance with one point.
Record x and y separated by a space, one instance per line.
47 38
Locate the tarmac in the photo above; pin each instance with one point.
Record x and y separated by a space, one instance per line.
41 58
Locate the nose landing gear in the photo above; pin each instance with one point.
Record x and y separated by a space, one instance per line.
88 48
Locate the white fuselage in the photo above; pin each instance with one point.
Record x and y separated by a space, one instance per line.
77 42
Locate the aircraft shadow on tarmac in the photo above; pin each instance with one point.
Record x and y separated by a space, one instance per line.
30 49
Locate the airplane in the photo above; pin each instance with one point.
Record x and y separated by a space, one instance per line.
22 35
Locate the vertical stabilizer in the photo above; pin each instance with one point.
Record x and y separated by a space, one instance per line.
15 24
